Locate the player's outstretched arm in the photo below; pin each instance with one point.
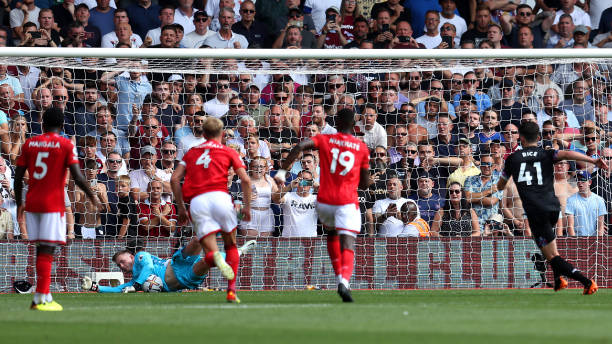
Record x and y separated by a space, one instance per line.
80 181
293 154
576 156
175 184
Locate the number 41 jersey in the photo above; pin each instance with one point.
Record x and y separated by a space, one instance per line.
533 173
46 158
206 167
341 156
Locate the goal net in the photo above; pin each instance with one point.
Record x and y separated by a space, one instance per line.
439 125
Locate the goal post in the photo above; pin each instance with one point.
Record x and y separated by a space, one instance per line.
409 91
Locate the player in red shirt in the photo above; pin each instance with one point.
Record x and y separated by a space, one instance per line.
344 165
45 158
204 169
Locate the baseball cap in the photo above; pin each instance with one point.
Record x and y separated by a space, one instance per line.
253 85
506 83
496 218
424 174
464 141
495 141
295 9
175 77
581 29
433 99
333 8
557 109
583 175
148 149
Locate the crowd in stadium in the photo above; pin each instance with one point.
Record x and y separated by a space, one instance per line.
438 139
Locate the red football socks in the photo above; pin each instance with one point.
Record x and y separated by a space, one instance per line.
233 259
348 259
44 261
208 258
333 249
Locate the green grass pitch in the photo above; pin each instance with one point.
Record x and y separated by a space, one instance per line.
438 316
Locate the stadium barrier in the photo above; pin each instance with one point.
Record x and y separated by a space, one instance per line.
398 263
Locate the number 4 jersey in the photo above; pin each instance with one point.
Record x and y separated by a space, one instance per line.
206 167
532 171
341 156
46 158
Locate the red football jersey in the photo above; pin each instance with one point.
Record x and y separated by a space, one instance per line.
206 168
341 158
46 158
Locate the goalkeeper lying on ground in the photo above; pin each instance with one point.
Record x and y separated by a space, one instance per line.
186 270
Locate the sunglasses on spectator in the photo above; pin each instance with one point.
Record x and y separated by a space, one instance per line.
60 97
280 98
454 191
524 14
513 132
295 16
457 81
113 161
334 86
201 19
589 139
486 163
607 157
246 81
436 88
151 127
224 86
412 151
402 134
469 81
168 151
246 10
236 105
548 132
198 120
381 154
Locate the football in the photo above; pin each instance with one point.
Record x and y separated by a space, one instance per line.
153 284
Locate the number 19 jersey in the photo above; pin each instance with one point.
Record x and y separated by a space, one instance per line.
46 158
341 156
206 167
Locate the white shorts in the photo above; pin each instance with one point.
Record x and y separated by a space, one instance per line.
46 227
212 212
261 220
346 218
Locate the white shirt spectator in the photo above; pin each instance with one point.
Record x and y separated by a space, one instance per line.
212 9
392 226
377 136
13 82
28 83
217 42
139 179
16 17
92 3
195 40
318 10
430 42
328 129
185 143
110 40
300 216
184 20
154 34
216 108
579 17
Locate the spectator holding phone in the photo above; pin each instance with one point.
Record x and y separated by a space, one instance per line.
383 35
403 37
332 37
448 34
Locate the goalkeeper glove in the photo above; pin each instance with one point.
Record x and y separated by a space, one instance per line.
128 289
88 284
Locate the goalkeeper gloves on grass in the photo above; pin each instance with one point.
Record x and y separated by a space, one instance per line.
88 284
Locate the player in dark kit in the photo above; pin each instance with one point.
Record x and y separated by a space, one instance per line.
532 170
344 165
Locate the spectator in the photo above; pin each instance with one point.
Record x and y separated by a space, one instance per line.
510 111
581 37
196 38
374 133
525 18
127 209
92 36
168 39
28 12
150 137
44 100
332 36
293 16
387 211
481 28
456 218
16 91
578 16
265 191
427 165
415 89
383 35
104 124
218 106
140 178
318 10
543 82
564 120
18 133
88 217
511 139
431 38
407 117
447 15
428 201
585 210
255 109
466 166
478 191
184 15
255 32
143 16
156 217
85 112
414 225
601 186
444 140
472 86
563 190
576 101
527 96
495 226
88 146
495 36
122 33
166 17
277 134
226 38
490 121
168 160
102 16
299 213
563 36
196 137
